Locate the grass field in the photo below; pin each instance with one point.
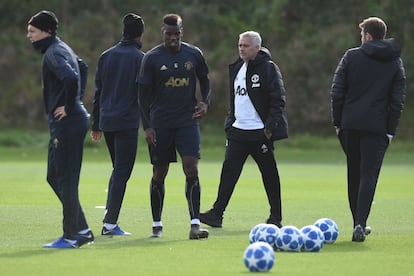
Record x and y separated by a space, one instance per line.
313 186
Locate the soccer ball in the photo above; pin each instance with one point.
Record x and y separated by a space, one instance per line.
253 231
329 229
289 239
259 256
313 238
267 233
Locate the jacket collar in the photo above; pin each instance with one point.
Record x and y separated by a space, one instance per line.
43 44
129 42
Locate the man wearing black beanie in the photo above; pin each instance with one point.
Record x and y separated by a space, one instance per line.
64 78
45 21
116 114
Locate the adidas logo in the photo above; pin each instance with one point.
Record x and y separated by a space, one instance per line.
163 68
264 148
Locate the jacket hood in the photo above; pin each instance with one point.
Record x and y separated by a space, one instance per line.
263 55
382 49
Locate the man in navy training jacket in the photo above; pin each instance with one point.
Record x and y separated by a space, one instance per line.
64 77
116 114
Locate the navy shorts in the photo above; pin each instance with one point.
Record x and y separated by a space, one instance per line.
185 140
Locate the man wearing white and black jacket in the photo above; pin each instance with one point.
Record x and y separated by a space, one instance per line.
256 118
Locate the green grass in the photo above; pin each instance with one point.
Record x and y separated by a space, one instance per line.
313 176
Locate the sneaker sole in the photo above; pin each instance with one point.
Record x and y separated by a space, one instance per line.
87 243
198 236
110 234
209 223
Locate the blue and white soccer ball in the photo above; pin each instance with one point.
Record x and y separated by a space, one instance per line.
329 229
259 256
313 238
289 239
267 233
253 231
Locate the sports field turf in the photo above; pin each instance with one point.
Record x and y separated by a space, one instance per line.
313 186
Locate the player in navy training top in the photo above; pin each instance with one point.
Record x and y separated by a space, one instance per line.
64 77
170 109
116 114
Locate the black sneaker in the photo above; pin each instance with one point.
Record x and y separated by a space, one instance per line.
197 233
87 238
273 220
359 234
211 218
156 232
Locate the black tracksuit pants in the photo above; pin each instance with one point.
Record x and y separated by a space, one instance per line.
235 157
122 147
64 165
364 154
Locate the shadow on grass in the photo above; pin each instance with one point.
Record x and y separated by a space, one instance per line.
115 243
347 246
30 253
121 242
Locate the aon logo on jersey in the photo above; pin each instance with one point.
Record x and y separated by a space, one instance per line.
240 91
177 82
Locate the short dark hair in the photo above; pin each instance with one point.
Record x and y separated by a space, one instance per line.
172 19
133 25
375 26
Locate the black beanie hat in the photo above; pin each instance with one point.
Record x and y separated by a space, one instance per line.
45 21
133 25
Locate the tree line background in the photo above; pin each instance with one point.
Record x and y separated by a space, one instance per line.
306 38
